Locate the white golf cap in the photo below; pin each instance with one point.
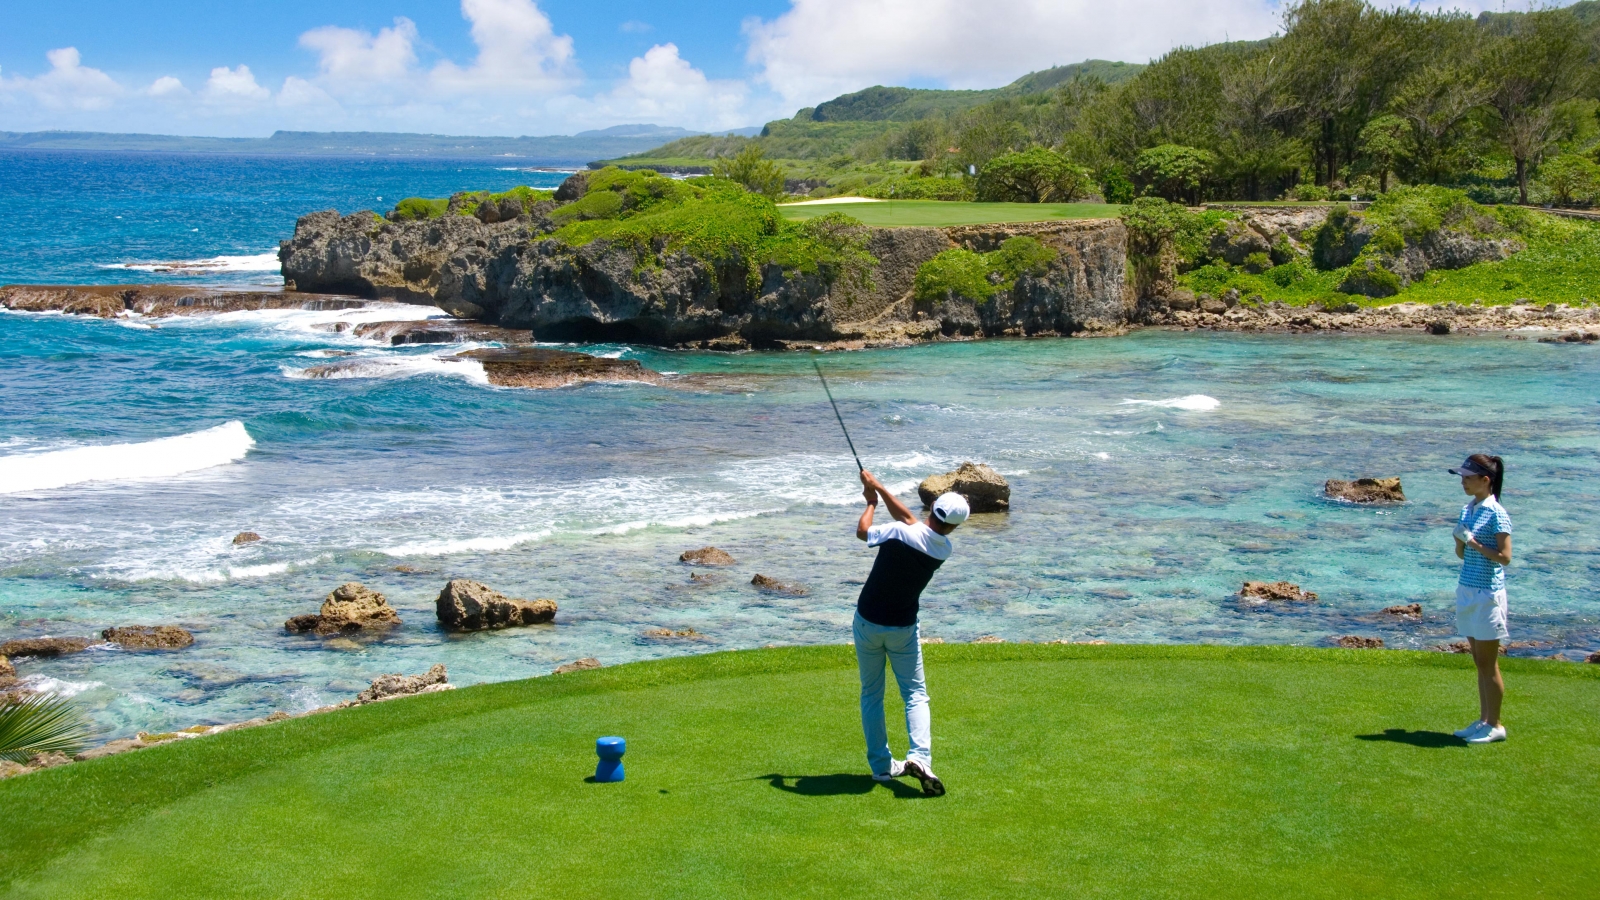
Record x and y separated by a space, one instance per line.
951 508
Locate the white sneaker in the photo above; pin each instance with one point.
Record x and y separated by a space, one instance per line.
896 769
1470 730
1488 735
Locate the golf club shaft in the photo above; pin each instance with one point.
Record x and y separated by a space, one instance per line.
859 466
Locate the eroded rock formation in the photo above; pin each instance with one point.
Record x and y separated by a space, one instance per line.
984 488
466 605
45 646
149 637
388 687
1366 490
351 607
1257 593
706 556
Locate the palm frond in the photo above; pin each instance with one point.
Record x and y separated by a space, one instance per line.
42 723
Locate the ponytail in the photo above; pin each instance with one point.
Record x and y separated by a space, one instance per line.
1493 465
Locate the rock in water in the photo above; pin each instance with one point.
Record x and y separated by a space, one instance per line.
149 637
706 556
537 367
245 537
470 606
666 634
1259 592
983 487
386 687
1594 657
351 607
778 587
1366 490
1353 642
8 672
588 662
48 646
1408 611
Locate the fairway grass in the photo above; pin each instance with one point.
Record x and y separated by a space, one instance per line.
942 214
1073 772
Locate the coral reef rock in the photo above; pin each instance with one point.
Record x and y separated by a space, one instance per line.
543 369
588 662
149 637
990 639
245 537
45 646
1594 657
388 687
8 672
466 605
666 634
1366 490
1354 642
984 488
778 587
1260 592
1408 611
706 556
350 608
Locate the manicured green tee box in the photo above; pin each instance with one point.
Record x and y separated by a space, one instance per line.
940 213
1073 772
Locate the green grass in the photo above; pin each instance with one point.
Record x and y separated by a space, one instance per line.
939 214
1073 772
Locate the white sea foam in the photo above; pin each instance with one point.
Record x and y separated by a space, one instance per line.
466 545
161 458
44 684
395 366
258 262
1191 403
320 322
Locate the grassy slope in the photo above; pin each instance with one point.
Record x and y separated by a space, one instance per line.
940 214
1073 771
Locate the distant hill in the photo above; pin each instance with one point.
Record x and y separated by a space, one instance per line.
898 104
576 149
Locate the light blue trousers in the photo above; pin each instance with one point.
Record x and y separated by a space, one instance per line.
876 644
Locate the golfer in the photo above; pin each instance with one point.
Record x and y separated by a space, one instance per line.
909 552
1483 543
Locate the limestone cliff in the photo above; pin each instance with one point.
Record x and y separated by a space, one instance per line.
512 274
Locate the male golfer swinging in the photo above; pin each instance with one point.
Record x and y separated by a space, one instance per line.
909 552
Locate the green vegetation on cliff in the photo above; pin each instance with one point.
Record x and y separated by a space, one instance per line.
1351 99
969 275
1334 776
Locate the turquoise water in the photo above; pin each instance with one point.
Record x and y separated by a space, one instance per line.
1151 474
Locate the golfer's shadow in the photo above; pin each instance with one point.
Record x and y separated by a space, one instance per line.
836 785
1432 740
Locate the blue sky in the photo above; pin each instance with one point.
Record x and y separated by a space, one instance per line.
249 67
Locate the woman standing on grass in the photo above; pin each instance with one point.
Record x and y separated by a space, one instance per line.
1483 543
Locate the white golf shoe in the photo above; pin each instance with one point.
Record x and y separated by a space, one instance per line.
1488 735
896 769
1471 730
931 785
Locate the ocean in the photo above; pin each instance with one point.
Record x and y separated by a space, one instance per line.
1152 474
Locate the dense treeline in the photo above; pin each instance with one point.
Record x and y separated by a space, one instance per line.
1350 99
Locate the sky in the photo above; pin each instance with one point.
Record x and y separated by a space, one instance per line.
246 68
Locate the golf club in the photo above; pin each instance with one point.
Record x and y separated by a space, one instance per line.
859 466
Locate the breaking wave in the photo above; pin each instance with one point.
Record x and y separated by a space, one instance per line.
161 458
1192 403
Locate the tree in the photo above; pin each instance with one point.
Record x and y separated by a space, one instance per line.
1537 65
1174 172
1251 114
751 168
1036 175
1383 142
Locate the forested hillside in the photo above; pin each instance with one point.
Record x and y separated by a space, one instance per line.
1348 100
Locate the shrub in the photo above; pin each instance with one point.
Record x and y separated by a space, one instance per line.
908 188
1570 179
418 209
1309 192
750 169
1115 186
1256 263
979 276
1287 274
1153 222
1036 175
1174 172
593 205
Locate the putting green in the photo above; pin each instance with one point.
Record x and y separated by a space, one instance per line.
1073 771
941 214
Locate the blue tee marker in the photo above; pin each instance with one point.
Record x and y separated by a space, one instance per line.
610 750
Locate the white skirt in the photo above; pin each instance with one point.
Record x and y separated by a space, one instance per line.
1481 613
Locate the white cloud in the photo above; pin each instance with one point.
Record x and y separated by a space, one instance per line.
821 48
69 84
634 26
298 92
233 85
166 86
346 54
663 88
518 51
